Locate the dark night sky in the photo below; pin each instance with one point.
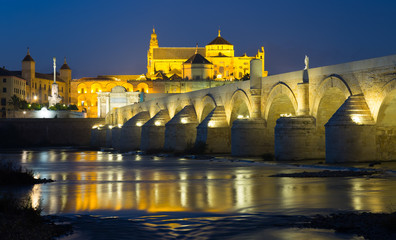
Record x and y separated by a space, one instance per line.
112 37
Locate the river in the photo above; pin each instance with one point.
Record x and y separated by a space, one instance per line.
127 196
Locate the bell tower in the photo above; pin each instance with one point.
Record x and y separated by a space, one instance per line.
153 44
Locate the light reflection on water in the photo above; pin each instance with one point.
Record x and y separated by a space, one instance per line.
98 182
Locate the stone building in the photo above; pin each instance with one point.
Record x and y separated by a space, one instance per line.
11 83
169 71
38 85
226 66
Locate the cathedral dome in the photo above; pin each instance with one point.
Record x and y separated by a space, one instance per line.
219 41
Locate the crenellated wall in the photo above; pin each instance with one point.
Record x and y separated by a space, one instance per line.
260 102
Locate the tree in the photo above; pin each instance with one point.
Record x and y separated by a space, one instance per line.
15 102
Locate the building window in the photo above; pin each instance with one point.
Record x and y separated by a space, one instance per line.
4 79
4 89
3 102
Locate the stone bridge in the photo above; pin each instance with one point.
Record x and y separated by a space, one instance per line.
344 112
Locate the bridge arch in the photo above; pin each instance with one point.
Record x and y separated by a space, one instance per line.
386 123
207 104
280 94
331 94
240 106
281 101
332 84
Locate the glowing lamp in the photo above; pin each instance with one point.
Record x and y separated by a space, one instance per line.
119 125
157 123
240 117
357 119
110 127
211 123
139 124
183 120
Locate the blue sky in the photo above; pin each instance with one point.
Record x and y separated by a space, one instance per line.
111 37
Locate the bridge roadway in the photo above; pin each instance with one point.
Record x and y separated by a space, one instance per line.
344 112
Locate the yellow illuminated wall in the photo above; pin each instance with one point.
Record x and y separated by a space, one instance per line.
226 66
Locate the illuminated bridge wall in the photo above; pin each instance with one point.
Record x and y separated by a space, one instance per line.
344 112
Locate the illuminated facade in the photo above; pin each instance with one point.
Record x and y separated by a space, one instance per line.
10 84
226 66
38 85
169 70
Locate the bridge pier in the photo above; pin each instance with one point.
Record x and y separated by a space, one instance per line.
98 136
131 132
115 136
214 132
153 132
351 133
296 139
249 138
109 137
181 130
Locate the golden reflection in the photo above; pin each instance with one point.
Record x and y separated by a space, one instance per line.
360 201
35 195
212 190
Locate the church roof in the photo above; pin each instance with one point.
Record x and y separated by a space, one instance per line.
28 58
219 41
160 75
197 59
175 77
175 53
65 66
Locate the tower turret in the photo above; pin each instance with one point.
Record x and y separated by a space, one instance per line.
28 68
66 75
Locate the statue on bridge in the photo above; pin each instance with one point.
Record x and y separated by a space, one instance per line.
306 61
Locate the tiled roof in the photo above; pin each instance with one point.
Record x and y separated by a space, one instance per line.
49 77
197 59
28 58
5 72
176 53
65 66
219 41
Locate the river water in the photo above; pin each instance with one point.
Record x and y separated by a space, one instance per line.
126 196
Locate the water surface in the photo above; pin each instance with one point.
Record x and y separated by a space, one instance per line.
188 198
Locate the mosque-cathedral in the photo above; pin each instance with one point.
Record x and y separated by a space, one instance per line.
170 70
